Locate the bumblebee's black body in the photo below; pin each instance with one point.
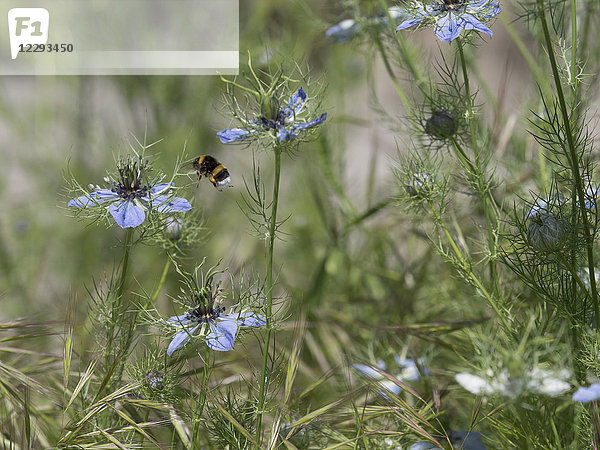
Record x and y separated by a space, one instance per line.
216 172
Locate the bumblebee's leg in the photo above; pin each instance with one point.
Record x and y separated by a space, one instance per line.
213 181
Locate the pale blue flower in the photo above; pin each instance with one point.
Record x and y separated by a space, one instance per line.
344 31
587 394
287 124
450 17
130 196
406 370
220 329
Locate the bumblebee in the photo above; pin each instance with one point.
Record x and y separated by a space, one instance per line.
217 173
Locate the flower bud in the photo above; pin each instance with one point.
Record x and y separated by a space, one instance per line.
420 185
269 107
155 380
173 228
547 232
441 125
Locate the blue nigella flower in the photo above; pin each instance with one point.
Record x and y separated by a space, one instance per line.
222 328
407 370
587 394
285 123
344 31
131 196
451 17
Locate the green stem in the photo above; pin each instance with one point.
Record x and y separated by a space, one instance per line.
392 75
118 315
489 207
125 263
272 226
573 41
466 269
573 159
161 282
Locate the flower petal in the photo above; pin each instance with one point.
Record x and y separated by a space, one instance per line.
418 16
397 13
164 204
408 369
344 31
182 320
221 336
390 386
295 103
127 214
368 371
474 384
409 23
550 386
469 22
94 198
159 189
485 9
587 394
249 319
313 123
228 135
447 27
181 339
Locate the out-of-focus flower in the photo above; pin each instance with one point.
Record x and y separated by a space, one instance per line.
587 394
348 29
155 380
173 228
131 195
420 186
284 123
220 328
537 381
547 232
441 125
592 193
344 31
450 17
406 370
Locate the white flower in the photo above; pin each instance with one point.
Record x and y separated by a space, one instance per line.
538 381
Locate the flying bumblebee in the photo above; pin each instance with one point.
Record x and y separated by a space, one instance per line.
217 173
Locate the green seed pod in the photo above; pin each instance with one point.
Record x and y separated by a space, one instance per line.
547 233
441 125
420 185
269 107
173 228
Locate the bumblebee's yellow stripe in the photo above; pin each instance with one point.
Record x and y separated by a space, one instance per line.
218 169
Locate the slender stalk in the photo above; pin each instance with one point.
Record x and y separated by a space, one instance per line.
272 225
125 263
392 75
117 315
572 157
573 40
161 282
464 266
489 207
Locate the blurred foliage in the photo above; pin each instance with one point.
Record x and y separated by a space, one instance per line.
355 263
